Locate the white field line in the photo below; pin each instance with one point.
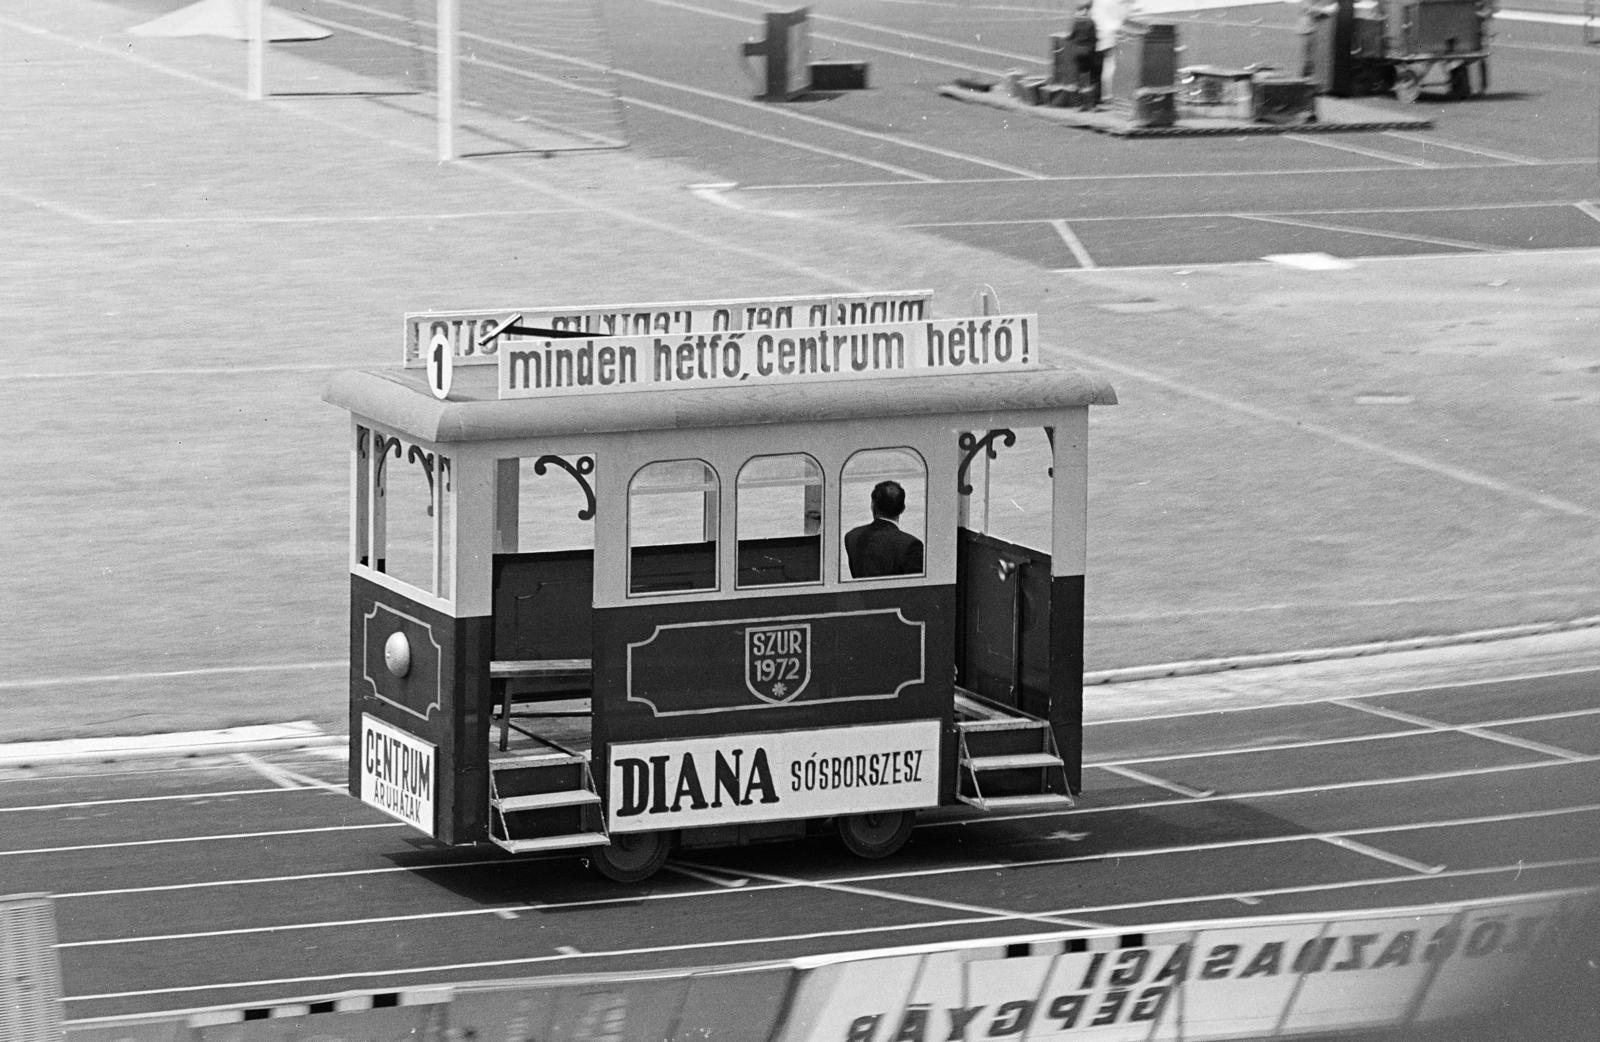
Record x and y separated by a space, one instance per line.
1370 153
286 778
1367 850
984 913
862 886
564 952
224 837
1160 783
1475 730
1405 135
1121 767
1068 236
1328 226
1423 727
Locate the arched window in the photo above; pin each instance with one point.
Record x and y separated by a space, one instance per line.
778 520
672 527
877 550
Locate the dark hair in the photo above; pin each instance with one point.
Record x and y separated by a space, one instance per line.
888 499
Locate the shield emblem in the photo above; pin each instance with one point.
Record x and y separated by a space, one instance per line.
777 661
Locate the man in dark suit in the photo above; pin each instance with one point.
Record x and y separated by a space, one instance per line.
880 548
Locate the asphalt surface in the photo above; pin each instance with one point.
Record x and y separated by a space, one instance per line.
249 878
1390 440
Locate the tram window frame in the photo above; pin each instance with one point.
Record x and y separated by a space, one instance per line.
372 549
812 513
916 474
709 487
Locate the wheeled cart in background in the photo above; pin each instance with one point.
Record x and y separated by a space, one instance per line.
1398 46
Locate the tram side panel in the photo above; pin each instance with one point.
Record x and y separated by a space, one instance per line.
796 707
419 703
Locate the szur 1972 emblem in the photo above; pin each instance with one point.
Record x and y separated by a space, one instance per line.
777 660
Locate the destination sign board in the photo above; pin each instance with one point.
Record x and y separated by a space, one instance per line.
477 337
537 368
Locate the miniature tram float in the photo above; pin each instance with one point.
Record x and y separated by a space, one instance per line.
600 596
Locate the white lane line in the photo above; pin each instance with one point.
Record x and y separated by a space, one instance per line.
410 972
1345 843
728 246
171 674
1422 726
1300 426
48 808
477 215
1589 210
225 837
850 889
566 951
1475 730
900 33
784 142
1370 153
285 778
49 206
1418 139
1070 237
1160 783
714 878
1328 226
767 109
303 877
1256 896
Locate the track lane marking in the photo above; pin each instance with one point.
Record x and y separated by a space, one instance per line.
559 956
286 778
1079 812
1160 783
1367 850
1075 244
1422 727
1370 153
1418 139
120 844
847 888
860 884
886 30
1475 730
1328 226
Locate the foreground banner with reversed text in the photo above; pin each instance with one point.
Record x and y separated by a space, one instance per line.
1274 977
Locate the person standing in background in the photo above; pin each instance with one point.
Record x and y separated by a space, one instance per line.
1108 16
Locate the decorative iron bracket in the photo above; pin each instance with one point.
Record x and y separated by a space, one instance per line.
971 444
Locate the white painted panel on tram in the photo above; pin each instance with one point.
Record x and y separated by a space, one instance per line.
399 773
764 777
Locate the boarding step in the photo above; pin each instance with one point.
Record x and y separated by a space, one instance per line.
542 800
546 802
1033 801
1008 759
567 842
1011 761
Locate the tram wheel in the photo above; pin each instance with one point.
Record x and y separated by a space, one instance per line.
632 857
1407 87
878 834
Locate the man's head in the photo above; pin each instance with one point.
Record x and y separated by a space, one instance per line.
888 500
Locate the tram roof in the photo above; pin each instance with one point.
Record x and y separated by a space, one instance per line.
399 399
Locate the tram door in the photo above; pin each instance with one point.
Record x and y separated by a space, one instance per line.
544 559
1003 573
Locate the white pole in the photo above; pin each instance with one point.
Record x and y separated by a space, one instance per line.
256 13
449 17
